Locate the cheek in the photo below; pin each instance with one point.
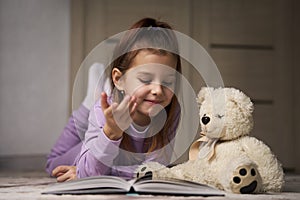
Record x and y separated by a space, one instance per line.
169 95
140 92
133 88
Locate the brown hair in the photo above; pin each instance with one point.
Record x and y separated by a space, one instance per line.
158 38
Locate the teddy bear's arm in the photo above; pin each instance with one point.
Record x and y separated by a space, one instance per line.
149 168
158 171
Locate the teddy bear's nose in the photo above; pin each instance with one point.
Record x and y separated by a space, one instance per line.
205 120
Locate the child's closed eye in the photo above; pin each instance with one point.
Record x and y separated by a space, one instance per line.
167 83
145 81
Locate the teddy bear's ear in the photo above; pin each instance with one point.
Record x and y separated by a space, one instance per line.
202 95
241 99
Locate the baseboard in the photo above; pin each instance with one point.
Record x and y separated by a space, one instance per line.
23 163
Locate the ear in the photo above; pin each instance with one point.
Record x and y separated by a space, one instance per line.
116 75
241 99
201 95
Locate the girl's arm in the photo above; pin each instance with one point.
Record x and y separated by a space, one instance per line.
98 151
68 146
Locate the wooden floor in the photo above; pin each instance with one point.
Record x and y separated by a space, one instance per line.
29 185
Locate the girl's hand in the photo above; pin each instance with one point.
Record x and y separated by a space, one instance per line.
64 173
118 116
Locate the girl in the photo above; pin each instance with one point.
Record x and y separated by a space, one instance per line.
122 134
122 131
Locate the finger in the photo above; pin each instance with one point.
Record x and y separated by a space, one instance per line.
69 175
127 109
71 178
106 108
104 103
132 104
59 174
66 176
62 178
133 109
130 109
60 170
125 113
120 110
109 111
124 104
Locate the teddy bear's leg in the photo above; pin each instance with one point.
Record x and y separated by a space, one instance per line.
269 167
241 176
246 179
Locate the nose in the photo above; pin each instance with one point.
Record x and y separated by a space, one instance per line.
156 89
205 120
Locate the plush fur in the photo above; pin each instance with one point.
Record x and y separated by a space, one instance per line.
228 158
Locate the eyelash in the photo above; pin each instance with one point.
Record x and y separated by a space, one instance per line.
167 83
149 81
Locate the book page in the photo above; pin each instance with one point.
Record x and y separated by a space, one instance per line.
105 183
175 186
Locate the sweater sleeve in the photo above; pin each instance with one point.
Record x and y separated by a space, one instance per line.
68 145
98 151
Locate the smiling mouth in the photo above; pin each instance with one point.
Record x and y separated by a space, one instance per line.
153 101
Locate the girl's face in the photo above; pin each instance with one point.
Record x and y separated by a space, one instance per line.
151 78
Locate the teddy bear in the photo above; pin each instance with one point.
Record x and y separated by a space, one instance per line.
225 156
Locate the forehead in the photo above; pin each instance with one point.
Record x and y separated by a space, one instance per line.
148 58
152 69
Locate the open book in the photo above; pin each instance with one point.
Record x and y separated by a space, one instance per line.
144 185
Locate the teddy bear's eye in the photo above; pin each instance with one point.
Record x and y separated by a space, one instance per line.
219 116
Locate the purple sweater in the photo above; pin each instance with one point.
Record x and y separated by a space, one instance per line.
98 155
102 156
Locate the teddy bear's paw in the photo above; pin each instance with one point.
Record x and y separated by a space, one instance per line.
146 170
245 180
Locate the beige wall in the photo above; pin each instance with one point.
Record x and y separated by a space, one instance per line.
34 76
